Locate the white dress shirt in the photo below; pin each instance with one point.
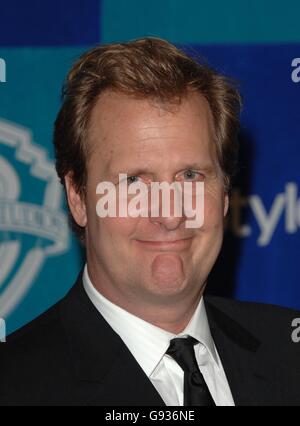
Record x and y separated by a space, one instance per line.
148 344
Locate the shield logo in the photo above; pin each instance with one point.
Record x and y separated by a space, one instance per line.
32 223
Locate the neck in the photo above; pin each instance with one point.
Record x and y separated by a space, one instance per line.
174 320
169 313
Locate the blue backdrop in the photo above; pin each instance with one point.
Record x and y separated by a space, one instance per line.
257 43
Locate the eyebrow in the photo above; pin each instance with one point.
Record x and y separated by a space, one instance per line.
134 170
198 166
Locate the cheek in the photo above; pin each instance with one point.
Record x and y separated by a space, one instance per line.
113 232
117 227
109 231
213 211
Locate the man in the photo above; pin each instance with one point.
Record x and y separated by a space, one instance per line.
136 328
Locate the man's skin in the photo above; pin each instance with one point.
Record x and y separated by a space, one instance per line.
131 261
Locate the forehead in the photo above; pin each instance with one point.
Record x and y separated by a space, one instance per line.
124 128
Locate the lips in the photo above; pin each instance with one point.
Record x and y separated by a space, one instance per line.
165 244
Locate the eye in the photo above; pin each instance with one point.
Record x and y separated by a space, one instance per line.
132 179
191 175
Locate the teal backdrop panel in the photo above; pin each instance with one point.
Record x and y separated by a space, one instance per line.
30 99
198 21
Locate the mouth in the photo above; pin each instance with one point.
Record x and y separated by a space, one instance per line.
175 245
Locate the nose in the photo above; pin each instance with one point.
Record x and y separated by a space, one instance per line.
170 223
170 215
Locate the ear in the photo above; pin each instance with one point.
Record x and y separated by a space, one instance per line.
226 203
76 202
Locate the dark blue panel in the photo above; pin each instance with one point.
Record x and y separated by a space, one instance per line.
254 267
49 22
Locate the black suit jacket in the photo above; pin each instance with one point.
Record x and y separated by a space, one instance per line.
71 356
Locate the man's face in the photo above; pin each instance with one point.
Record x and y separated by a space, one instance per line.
152 259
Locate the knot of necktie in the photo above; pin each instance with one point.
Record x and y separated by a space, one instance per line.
196 392
183 352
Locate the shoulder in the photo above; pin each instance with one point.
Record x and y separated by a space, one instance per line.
39 332
33 357
264 321
243 307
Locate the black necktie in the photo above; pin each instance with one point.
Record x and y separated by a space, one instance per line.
196 392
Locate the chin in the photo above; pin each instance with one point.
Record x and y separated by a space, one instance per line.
167 288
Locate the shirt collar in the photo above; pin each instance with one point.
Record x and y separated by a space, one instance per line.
147 343
199 328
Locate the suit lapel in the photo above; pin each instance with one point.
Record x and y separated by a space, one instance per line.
107 374
248 365
105 370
